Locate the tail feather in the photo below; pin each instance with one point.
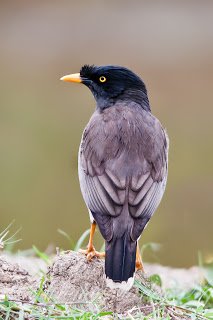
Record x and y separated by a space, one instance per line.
120 261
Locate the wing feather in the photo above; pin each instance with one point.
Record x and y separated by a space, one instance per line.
143 191
119 183
147 209
94 203
110 188
138 181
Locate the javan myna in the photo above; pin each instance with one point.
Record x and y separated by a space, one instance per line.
123 161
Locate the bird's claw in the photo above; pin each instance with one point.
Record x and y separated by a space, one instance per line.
91 253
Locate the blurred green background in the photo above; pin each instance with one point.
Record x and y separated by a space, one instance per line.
168 43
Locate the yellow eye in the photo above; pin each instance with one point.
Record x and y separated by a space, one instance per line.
102 79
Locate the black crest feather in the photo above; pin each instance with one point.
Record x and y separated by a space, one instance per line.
86 70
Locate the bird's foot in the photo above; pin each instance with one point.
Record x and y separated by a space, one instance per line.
91 253
138 261
139 265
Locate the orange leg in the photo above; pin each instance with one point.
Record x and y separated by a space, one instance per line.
90 252
138 262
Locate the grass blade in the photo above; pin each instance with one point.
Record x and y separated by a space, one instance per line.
81 240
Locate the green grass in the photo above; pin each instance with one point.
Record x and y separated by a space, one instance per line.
194 304
6 241
43 311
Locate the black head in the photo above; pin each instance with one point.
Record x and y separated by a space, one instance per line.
110 84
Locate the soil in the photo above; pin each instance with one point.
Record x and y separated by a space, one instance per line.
72 279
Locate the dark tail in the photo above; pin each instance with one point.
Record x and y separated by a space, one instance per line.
120 262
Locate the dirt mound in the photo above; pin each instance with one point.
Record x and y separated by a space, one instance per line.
15 281
72 280
75 280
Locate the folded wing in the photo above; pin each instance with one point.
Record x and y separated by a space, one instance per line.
123 162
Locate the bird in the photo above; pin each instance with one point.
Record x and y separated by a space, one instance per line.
122 167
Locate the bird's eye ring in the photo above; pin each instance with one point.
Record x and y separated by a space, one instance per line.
102 79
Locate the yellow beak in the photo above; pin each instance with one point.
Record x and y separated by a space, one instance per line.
75 77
